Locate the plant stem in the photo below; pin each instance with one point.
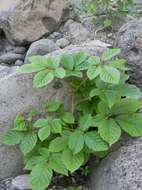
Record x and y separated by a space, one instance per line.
83 100
72 102
80 85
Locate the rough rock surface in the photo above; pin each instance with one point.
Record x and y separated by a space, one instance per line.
41 47
30 20
129 39
121 170
18 95
75 32
62 43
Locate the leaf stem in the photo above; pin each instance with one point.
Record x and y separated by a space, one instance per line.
83 100
81 85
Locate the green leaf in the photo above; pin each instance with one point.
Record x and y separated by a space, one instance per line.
34 112
43 78
107 23
119 64
41 123
93 72
40 177
37 64
85 121
94 60
94 92
19 123
44 133
109 54
131 124
44 152
28 143
51 63
53 106
67 61
112 96
76 141
71 161
60 73
68 117
80 57
57 164
97 120
130 91
33 161
13 137
110 75
95 142
125 106
56 126
58 144
109 131
103 108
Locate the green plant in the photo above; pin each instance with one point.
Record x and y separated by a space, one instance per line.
102 106
111 9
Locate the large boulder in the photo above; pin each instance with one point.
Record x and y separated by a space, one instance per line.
122 169
129 39
18 95
29 20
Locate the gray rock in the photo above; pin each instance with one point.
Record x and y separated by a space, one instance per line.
121 170
75 32
41 47
29 20
19 63
129 39
18 95
5 184
10 58
62 43
19 50
20 182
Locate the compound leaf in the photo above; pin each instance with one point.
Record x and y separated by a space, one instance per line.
40 177
72 161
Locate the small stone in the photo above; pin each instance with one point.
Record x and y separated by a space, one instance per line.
76 32
10 58
20 182
19 50
109 35
55 35
19 62
62 43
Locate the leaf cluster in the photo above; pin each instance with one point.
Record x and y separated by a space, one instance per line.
102 107
111 9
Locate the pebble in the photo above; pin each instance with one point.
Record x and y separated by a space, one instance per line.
20 182
19 62
62 43
10 58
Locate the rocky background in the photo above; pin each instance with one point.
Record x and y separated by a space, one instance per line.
31 27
